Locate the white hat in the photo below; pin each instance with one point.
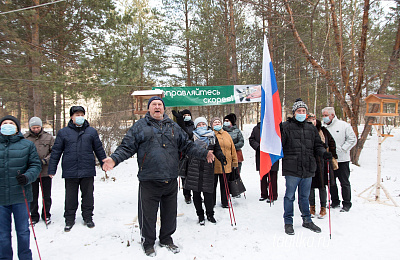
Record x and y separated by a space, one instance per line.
199 120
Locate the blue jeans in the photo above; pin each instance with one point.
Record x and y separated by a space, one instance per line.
21 220
304 185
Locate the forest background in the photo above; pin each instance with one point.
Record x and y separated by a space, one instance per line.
328 52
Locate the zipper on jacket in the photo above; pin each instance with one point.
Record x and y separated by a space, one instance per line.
144 157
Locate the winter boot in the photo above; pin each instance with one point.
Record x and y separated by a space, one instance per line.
150 251
201 220
289 229
171 247
312 210
68 226
89 223
188 199
322 213
311 226
211 219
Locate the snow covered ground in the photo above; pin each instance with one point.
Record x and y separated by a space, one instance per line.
368 231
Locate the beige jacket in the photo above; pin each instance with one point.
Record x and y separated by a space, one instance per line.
228 148
43 142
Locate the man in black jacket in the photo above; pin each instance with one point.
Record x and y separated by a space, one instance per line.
300 142
77 142
157 140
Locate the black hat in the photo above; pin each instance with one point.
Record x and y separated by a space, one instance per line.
16 121
186 111
231 117
75 109
155 98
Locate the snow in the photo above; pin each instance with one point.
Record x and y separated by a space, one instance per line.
368 231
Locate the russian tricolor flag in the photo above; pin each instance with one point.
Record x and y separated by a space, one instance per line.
271 116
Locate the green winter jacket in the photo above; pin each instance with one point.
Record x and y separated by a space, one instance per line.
17 156
236 135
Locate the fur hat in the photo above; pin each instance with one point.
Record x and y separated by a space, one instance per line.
186 111
231 117
215 118
199 120
15 120
155 98
298 104
75 109
35 121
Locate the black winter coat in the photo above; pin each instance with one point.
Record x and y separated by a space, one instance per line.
300 143
200 173
77 145
254 141
321 174
158 145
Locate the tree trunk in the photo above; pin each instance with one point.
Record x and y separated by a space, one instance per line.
393 63
37 100
187 47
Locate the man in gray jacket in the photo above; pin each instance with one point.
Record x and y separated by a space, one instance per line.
157 140
44 143
345 139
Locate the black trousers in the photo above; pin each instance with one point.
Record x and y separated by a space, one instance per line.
274 185
34 207
154 194
220 177
208 202
343 174
72 187
185 191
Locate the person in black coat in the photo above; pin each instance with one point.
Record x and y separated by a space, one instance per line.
157 141
184 120
77 142
254 141
320 180
200 173
300 143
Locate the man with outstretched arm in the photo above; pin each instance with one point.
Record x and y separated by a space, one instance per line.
157 140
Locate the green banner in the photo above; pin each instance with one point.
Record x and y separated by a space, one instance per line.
210 95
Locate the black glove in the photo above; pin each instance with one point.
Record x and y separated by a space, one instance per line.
223 161
22 179
327 156
179 118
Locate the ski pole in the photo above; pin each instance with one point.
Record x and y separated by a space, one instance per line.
228 197
30 218
44 206
329 200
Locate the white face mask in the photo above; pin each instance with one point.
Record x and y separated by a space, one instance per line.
187 118
326 119
227 123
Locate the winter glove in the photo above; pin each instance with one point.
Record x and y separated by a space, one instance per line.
179 118
223 161
327 156
22 179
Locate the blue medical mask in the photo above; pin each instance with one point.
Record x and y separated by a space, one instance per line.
217 127
187 118
201 130
79 120
301 117
326 119
8 129
227 123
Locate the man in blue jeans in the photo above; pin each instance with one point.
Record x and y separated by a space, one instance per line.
300 141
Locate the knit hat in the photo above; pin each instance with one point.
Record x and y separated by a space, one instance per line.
16 121
35 121
215 118
75 109
310 115
199 120
186 111
155 98
298 104
231 117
